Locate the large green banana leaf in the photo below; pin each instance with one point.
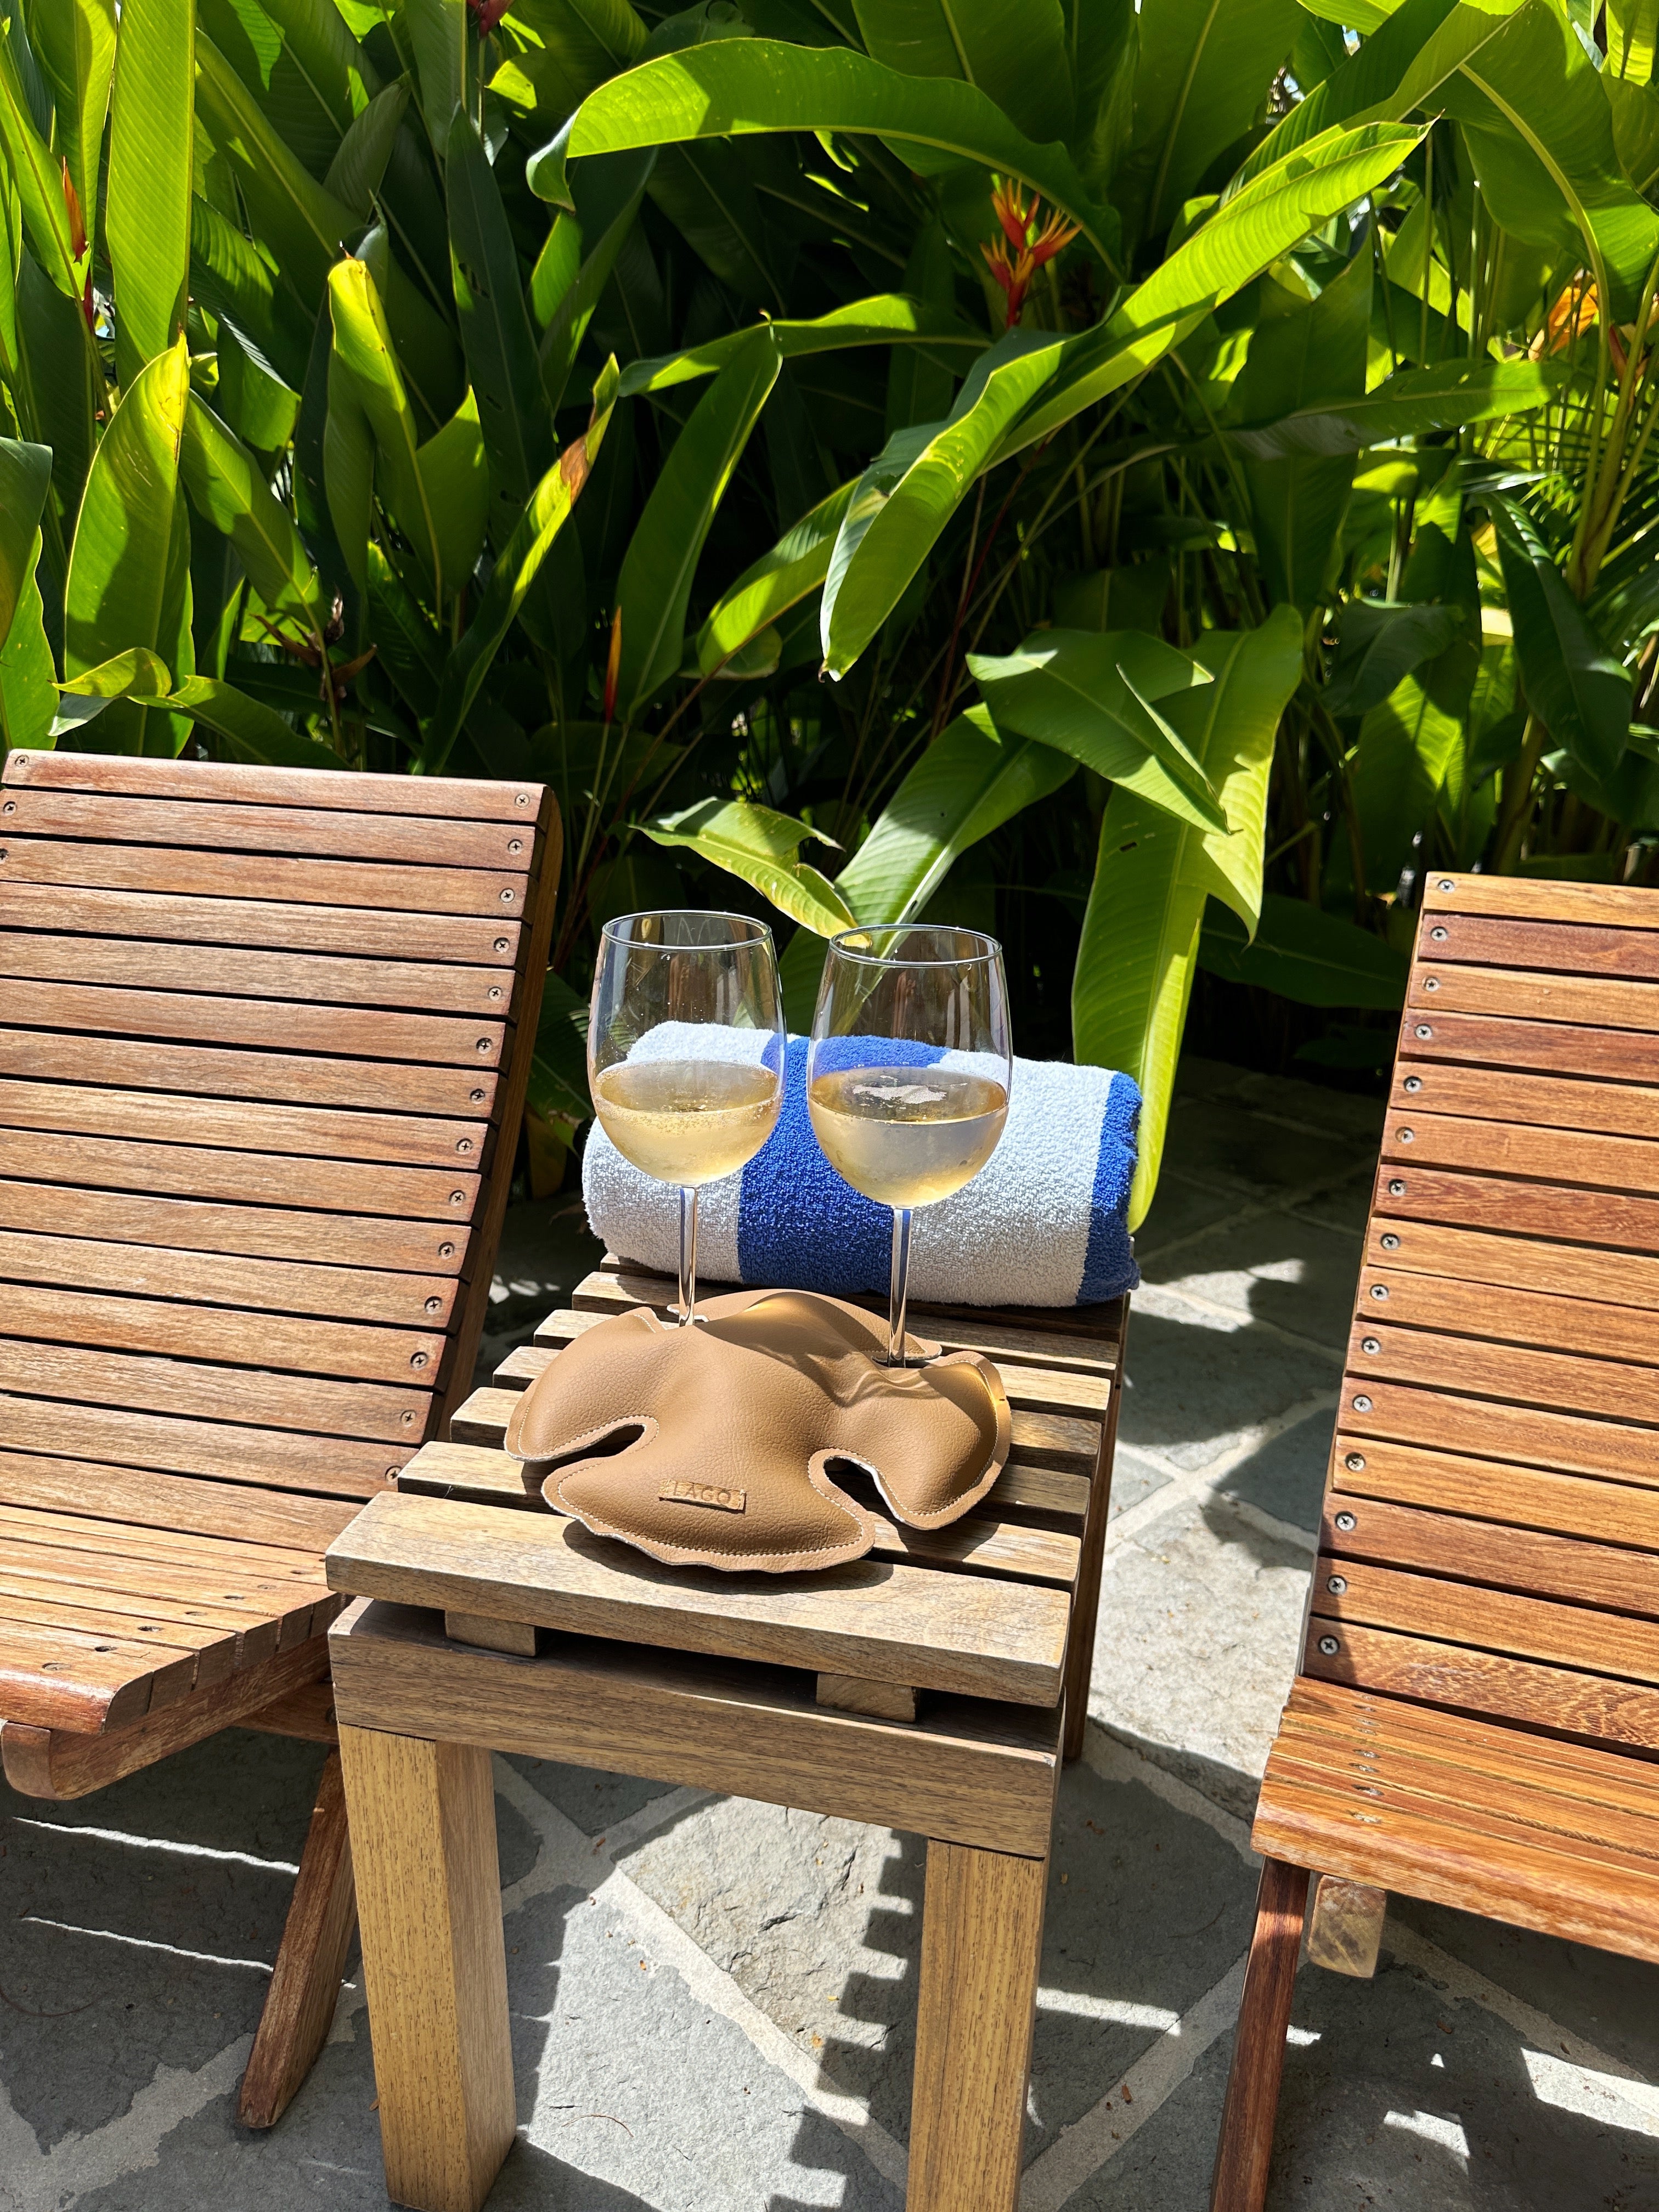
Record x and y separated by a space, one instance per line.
890 529
742 85
1017 51
795 567
36 179
1088 695
1409 403
1539 133
545 513
75 44
654 587
501 346
124 587
763 848
250 730
364 379
969 782
1574 686
25 480
1245 235
890 318
1154 874
147 219
1305 954
228 488
1197 84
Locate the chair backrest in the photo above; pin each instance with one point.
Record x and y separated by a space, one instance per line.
1490 1531
265 1040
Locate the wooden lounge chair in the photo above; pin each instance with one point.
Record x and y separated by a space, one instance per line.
1476 1718
265 1040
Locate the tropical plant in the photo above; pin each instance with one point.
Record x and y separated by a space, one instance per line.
1071 464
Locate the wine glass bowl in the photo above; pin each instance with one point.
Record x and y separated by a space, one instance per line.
685 1044
908 1070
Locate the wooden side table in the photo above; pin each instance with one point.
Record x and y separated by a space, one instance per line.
922 1688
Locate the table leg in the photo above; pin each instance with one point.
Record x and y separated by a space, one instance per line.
981 1944
434 1963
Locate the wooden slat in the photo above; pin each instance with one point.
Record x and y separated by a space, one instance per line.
1553 1211
226 826
403 1139
130 1543
975 1773
1559 947
1040 1440
289 1078
1494 1490
399 888
1490 1815
359 1032
343 932
221 1592
1510 1315
266 1232
132 1497
1569 1784
1551 1102
1418 1856
211 1651
1505 1557
301 1402
1445 1140
329 1466
139 963
346 1349
446 1194
1531 899
984 1540
409 1300
1532 1435
449 799
1027 1497
42 1762
1522 1263
1621 1056
1443 987
66 1678
1529 1377
1518 1689
1487 1619
889 1623
1038 1389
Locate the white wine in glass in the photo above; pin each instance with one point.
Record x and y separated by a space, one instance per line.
891 1118
686 1043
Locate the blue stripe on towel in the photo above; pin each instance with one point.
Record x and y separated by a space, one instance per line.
797 1222
1110 1268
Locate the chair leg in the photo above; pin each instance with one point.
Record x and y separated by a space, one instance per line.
1245 2150
311 1961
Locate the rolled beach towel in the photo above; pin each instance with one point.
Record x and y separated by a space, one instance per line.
1043 1224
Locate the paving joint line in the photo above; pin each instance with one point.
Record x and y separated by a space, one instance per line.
567 1858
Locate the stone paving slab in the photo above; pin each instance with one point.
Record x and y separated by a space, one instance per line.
714 2000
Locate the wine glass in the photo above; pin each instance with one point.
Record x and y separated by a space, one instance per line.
685 1042
896 1117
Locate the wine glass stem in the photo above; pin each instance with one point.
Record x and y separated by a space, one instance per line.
688 1256
899 1289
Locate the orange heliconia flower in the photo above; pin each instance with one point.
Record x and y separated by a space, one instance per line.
1024 247
77 222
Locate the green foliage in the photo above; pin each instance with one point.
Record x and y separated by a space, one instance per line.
1149 478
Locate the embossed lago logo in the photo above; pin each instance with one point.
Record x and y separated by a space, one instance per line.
704 1493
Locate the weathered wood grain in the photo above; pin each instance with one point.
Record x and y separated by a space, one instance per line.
965 1634
396 888
967 1771
160 781
348 932
370 837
